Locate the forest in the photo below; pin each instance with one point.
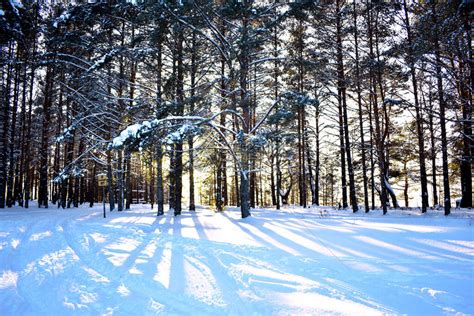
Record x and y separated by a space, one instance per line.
236 157
360 105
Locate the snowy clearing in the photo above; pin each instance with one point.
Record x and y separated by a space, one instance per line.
296 261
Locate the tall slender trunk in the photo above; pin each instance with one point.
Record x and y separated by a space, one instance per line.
122 109
385 118
44 149
405 190
342 87
178 172
220 153
342 152
467 114
372 149
272 177
253 174
20 171
359 103
5 120
27 182
301 119
310 172
433 150
12 138
57 185
159 148
152 184
128 154
378 136
92 186
244 103
78 177
110 174
120 195
128 179
192 206
317 167
160 197
235 126
442 117
466 124
66 185
419 126
276 72
110 181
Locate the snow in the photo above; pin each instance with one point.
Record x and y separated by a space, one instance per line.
130 132
293 261
16 4
140 131
63 17
180 133
2 13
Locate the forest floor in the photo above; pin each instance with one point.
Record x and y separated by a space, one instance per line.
293 261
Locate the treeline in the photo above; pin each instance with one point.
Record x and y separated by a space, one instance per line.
251 103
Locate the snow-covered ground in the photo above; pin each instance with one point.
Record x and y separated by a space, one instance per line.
56 262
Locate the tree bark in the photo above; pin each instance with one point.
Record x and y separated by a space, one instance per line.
178 172
192 206
11 151
433 150
5 120
158 148
378 138
359 103
442 117
342 87
244 104
44 149
419 126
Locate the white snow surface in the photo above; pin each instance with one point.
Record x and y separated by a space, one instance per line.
290 262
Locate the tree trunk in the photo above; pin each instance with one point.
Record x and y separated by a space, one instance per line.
128 179
276 71
442 117
27 185
378 139
244 104
310 172
92 186
359 103
158 148
272 178
20 172
11 151
342 152
192 206
467 112
301 121
433 150
342 87
5 120
317 172
120 197
128 154
44 149
178 172
405 190
419 126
